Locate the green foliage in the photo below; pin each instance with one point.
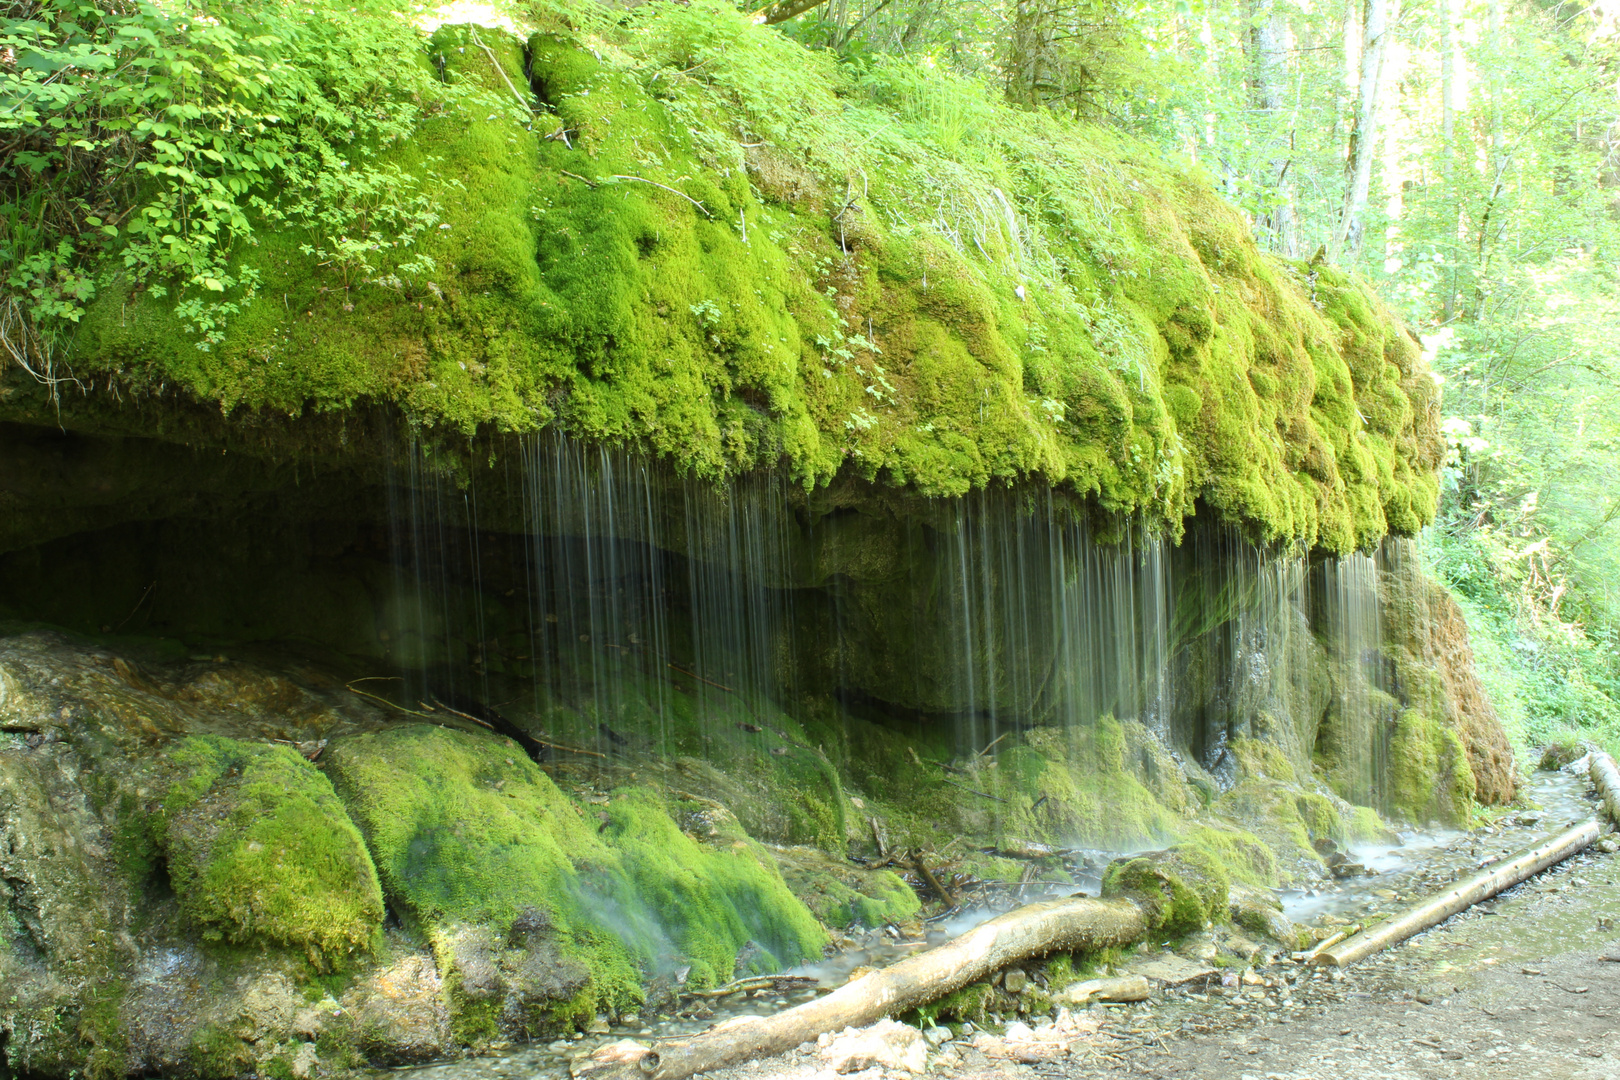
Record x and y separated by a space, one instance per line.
149 144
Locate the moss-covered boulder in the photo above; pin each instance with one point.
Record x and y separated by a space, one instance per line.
543 910
260 850
843 895
1181 890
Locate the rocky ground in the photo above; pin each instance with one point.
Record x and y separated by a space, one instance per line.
1518 988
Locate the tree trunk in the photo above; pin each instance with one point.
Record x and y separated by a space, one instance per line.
1032 930
1270 100
1606 778
1364 134
1451 12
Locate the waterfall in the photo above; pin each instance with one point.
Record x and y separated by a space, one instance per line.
617 605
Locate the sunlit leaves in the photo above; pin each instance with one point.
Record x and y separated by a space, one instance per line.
162 136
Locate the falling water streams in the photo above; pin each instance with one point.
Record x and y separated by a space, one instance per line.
618 607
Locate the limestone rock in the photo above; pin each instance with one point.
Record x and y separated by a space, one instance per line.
1169 969
397 1012
886 1043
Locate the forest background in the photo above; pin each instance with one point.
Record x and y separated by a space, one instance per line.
1463 156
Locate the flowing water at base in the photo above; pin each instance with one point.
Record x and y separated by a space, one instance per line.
1427 860
1422 863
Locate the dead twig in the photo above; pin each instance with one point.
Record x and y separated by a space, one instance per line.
993 742
758 982
933 882
379 699
701 679
666 187
971 791
501 71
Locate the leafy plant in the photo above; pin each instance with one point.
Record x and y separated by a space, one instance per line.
149 142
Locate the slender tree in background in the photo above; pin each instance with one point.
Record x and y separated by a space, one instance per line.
1358 165
1270 37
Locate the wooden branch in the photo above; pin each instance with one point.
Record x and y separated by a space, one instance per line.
523 102
1051 926
699 678
783 10
384 701
1606 778
933 882
970 791
877 838
1024 850
1124 988
1465 894
757 982
666 187
993 742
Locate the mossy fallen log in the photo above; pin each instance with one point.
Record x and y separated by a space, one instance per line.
1464 894
1606 778
1075 923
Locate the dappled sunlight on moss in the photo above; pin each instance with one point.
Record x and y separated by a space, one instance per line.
469 833
670 261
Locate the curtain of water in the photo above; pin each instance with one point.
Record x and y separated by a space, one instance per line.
1360 704
642 607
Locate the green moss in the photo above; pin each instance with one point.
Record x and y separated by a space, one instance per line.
467 832
1111 326
1429 775
259 849
101 1032
1182 890
712 898
1241 855
970 1003
216 1051
842 895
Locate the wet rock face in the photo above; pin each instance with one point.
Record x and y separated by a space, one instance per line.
149 828
1427 637
183 891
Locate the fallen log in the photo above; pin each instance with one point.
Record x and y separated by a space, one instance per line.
1487 883
1032 930
1332 940
757 982
1606 778
1124 988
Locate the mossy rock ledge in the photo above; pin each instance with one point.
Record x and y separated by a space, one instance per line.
777 263
697 241
186 891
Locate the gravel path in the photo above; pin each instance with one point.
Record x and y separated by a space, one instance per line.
1513 990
